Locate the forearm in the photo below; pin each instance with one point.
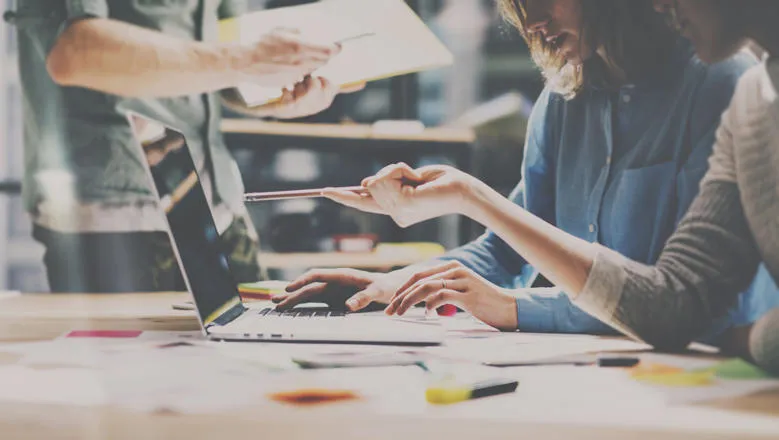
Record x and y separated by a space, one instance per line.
706 262
563 258
123 59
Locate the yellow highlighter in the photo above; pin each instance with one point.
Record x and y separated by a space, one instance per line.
444 395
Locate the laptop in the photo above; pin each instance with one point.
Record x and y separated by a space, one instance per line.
222 314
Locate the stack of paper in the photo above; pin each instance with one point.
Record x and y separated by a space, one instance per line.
261 290
382 38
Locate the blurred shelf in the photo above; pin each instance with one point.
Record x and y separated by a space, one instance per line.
510 64
385 257
343 131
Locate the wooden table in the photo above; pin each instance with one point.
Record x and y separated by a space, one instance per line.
41 317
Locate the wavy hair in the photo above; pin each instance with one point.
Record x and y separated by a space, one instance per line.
631 39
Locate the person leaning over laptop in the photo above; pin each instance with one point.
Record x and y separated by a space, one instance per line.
83 64
616 146
731 227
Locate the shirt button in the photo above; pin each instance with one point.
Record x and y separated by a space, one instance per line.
592 228
626 99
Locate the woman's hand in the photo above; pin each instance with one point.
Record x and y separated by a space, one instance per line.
453 283
352 288
411 196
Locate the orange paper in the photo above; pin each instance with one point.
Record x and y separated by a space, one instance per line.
314 396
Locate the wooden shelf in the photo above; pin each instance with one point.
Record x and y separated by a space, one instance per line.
344 131
379 260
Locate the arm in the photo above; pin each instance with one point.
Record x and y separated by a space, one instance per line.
706 262
566 317
489 256
709 259
123 59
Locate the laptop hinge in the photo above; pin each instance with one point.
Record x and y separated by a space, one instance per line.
229 316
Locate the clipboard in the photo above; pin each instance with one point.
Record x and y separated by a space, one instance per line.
380 39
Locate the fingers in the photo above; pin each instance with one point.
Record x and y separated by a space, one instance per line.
427 273
291 47
398 171
290 300
343 276
448 280
442 298
362 202
362 299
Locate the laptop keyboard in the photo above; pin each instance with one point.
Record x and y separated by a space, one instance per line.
302 313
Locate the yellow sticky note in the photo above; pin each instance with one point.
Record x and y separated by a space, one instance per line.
684 379
667 375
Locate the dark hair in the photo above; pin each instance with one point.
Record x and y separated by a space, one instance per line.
630 36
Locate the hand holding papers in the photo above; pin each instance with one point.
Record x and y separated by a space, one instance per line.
377 39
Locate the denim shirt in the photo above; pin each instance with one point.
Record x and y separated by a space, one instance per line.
617 167
82 137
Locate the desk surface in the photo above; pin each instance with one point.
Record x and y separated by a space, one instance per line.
535 414
344 131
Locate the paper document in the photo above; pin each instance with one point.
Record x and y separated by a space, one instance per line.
518 348
380 39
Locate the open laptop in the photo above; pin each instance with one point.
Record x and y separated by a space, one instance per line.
223 315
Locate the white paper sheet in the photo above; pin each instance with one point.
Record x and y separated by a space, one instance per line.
399 40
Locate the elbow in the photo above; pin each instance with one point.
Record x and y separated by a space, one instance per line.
61 63
60 68
672 339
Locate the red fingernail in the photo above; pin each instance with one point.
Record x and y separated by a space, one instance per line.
447 310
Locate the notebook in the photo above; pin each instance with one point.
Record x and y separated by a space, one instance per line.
383 38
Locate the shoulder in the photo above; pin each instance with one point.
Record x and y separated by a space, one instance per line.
756 89
720 79
543 127
754 99
714 87
545 114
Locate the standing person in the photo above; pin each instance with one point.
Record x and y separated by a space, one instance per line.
84 64
616 146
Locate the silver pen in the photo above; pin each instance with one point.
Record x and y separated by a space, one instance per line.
297 194
355 37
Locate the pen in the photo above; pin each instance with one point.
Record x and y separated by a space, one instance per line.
448 395
614 362
355 37
297 194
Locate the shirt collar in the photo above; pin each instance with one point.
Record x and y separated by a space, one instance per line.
683 51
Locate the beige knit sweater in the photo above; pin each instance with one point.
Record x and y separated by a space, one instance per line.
729 229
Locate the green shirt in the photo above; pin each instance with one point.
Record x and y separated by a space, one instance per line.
79 150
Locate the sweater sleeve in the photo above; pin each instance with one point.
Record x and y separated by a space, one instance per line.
705 264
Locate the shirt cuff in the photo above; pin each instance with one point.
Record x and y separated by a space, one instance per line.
603 289
87 8
534 316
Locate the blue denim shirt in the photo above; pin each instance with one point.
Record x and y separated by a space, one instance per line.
618 167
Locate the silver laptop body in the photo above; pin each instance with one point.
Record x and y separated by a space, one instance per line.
222 314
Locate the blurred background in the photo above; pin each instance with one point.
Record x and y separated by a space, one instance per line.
489 89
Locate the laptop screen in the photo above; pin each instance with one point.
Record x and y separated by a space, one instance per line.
193 231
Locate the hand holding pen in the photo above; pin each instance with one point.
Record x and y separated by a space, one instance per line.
299 194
